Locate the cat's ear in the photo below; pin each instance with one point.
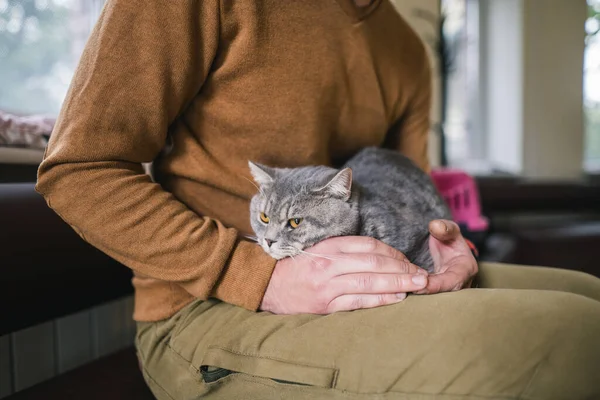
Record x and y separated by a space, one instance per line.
340 185
261 174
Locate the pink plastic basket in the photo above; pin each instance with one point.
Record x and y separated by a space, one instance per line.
460 192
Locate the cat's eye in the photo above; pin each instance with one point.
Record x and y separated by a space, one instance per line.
294 222
264 218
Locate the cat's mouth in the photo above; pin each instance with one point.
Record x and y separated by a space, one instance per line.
279 252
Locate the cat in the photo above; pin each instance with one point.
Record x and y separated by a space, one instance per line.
378 193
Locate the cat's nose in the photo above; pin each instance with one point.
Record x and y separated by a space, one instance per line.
270 242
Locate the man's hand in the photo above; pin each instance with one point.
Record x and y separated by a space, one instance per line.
342 274
455 266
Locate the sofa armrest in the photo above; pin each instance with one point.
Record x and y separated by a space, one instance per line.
46 269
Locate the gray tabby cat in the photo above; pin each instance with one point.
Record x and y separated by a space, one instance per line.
379 193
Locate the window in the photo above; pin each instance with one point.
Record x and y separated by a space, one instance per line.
592 87
509 91
40 44
454 80
464 138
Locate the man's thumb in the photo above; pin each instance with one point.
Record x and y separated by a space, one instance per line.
444 230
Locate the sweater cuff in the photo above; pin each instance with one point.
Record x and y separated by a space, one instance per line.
245 278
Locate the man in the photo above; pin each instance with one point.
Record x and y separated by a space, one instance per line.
289 84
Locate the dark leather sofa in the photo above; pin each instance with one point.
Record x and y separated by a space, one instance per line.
49 272
549 223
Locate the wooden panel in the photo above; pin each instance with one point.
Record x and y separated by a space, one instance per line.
21 156
73 341
33 354
5 368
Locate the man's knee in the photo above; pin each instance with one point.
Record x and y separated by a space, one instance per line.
542 344
476 342
564 333
584 284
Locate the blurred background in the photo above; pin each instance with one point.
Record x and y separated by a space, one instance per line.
492 59
516 108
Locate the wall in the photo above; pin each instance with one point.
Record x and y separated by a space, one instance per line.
534 86
408 10
553 92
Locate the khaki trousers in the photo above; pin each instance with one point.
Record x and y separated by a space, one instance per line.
524 333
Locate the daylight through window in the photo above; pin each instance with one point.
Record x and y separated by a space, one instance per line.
40 44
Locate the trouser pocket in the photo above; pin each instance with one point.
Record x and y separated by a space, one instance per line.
218 363
211 374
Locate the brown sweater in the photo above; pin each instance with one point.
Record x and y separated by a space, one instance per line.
285 83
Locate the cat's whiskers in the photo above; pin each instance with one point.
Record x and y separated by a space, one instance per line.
311 256
251 238
311 259
290 249
331 258
293 258
255 185
292 252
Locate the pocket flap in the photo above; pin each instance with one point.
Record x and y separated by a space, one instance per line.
270 368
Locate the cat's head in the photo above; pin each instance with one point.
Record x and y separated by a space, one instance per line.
298 207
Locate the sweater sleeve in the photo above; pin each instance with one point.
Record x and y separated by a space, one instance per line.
142 66
410 133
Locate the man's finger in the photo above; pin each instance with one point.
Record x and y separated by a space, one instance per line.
343 264
356 302
369 283
448 281
357 244
444 230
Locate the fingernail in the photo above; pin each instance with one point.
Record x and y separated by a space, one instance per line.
419 280
401 296
422 271
446 229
